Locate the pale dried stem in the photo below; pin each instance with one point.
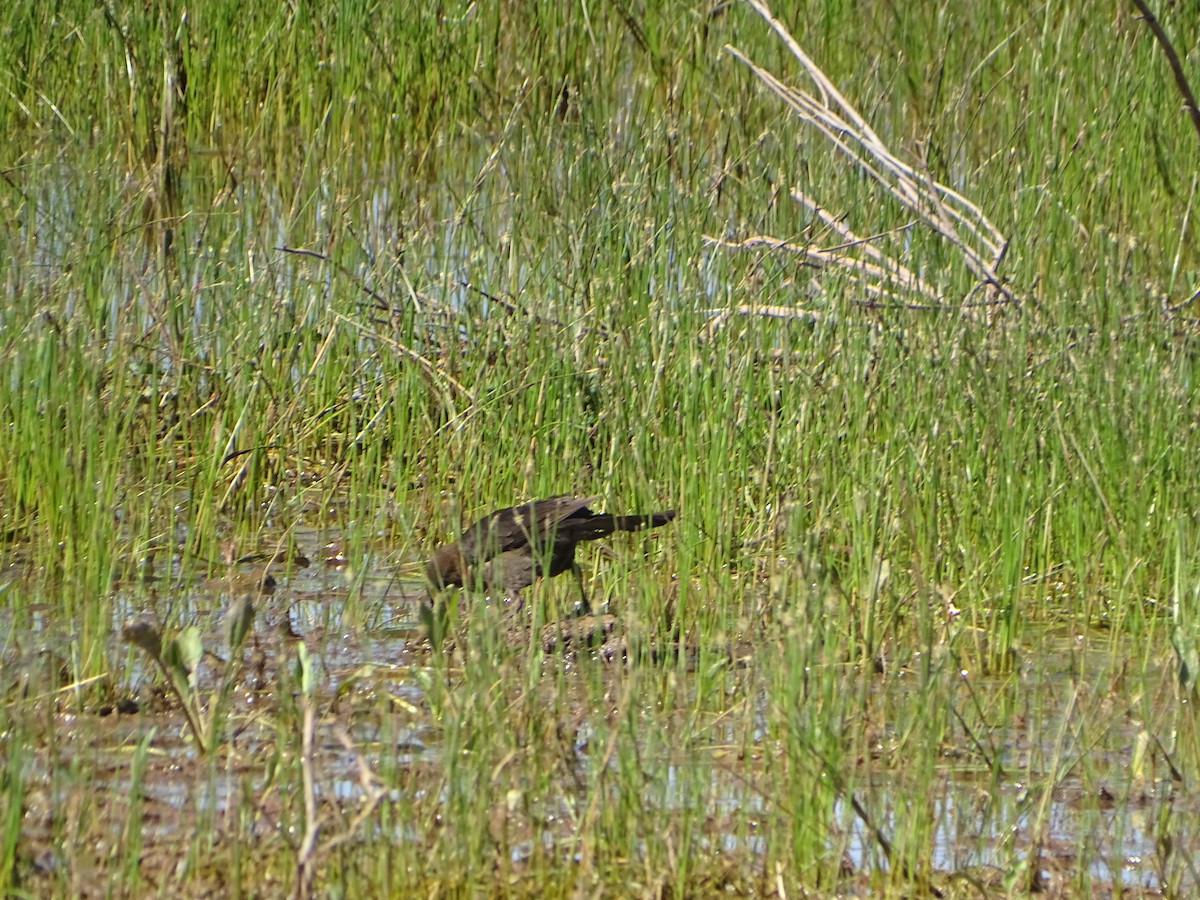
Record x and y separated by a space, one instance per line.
947 212
872 276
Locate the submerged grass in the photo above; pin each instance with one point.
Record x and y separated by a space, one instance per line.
283 280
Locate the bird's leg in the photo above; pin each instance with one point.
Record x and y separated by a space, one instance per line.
583 608
514 600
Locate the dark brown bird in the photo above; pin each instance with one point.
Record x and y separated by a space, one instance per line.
507 551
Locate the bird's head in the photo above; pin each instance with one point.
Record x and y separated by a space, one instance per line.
445 568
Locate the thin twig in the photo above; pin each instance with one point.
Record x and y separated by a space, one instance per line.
1181 82
373 791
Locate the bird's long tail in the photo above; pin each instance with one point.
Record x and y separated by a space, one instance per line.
605 524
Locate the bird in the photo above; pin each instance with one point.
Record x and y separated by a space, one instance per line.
509 549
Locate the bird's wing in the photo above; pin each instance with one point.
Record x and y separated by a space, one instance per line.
553 510
514 527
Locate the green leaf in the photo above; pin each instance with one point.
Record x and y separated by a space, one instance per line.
304 669
182 656
1184 602
435 619
1188 654
239 620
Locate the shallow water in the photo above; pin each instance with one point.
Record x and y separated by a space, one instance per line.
1052 786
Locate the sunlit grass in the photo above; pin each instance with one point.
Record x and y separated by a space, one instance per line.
372 274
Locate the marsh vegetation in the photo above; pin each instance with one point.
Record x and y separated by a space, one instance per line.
299 292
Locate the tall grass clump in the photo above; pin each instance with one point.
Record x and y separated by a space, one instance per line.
330 283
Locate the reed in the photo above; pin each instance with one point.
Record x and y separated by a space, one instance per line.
336 282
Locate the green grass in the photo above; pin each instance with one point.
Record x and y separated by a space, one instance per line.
915 546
